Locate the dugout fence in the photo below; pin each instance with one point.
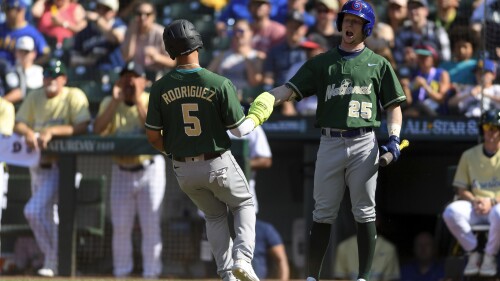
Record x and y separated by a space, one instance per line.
85 231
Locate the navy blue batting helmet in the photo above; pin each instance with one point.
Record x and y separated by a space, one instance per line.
361 9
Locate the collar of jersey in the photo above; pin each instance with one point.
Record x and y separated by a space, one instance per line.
193 70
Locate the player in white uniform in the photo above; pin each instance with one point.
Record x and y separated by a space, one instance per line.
54 110
137 182
478 190
7 117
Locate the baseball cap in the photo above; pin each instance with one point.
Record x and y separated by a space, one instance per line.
114 5
133 67
25 43
419 2
295 15
487 65
330 4
402 3
54 68
426 49
314 41
16 4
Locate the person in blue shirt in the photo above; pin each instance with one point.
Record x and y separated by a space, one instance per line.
424 266
269 251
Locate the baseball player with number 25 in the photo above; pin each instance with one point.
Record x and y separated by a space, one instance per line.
190 110
352 84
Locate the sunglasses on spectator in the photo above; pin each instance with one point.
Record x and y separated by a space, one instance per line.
490 127
140 14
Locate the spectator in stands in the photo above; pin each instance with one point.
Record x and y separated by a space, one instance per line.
397 14
281 57
54 111
463 43
472 100
385 266
9 83
484 21
300 5
143 42
270 260
420 29
98 45
382 33
242 64
314 44
448 16
424 266
137 182
240 9
30 74
429 88
267 32
326 15
15 27
477 188
59 19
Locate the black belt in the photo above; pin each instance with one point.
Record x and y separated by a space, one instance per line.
136 168
201 157
345 134
45 166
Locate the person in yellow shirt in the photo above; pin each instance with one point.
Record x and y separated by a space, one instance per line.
477 186
137 182
52 111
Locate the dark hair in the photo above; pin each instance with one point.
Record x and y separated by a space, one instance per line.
463 33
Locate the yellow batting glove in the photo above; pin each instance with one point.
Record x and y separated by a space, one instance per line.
261 108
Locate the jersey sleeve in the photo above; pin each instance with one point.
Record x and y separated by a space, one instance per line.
391 90
302 82
232 113
272 236
25 112
462 178
153 117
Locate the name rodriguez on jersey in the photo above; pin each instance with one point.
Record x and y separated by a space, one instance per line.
346 88
188 92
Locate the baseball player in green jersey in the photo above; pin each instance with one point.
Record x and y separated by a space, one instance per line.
190 110
353 86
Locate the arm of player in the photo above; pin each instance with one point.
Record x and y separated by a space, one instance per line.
278 254
394 122
263 105
155 138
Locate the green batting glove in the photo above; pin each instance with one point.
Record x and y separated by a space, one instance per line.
261 108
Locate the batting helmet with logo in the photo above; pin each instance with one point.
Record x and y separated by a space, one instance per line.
361 9
489 117
181 38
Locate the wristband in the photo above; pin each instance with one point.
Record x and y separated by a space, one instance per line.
394 129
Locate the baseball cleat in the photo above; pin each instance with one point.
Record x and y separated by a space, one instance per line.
243 271
489 266
472 267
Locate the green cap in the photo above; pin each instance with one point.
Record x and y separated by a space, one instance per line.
54 68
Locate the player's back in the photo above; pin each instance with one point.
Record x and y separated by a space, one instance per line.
196 108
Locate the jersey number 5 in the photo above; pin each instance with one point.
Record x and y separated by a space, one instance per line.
192 126
357 109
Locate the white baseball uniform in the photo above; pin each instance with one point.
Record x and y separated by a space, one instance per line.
137 187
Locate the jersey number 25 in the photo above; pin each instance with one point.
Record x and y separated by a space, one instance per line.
357 109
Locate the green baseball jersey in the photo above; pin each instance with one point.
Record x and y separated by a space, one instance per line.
350 92
194 110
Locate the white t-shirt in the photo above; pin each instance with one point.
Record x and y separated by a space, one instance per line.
471 106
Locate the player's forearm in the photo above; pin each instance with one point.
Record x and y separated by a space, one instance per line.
155 138
282 94
102 120
244 128
394 120
22 129
261 163
68 130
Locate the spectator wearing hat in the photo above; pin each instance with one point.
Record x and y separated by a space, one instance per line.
281 57
53 111
397 14
420 29
15 27
429 88
137 182
326 15
267 32
59 19
314 44
98 44
242 64
30 74
143 43
485 95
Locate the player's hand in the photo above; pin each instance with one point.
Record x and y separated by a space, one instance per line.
392 146
31 139
44 138
482 206
117 91
261 108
